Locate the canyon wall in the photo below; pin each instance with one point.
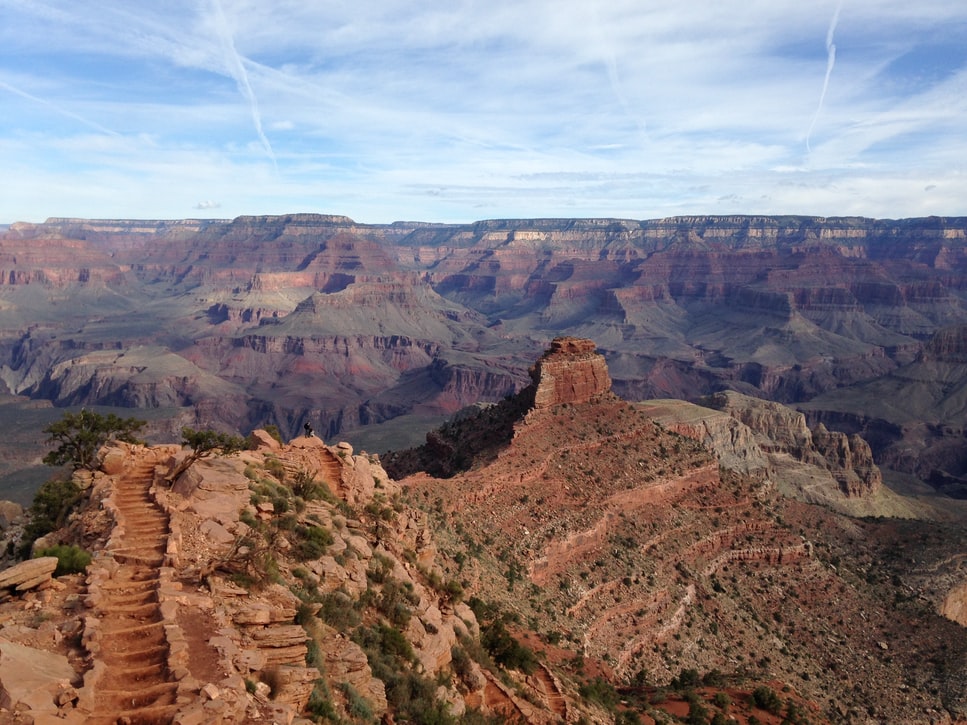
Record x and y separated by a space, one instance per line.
276 320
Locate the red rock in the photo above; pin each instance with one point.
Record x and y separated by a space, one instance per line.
570 372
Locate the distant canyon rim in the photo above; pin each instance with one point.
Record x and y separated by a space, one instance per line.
375 333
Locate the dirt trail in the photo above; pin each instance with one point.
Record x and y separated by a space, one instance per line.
134 686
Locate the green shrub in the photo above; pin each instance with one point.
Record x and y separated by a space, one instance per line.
356 705
600 691
687 679
312 542
507 651
395 600
52 504
320 705
79 437
273 430
305 486
460 663
275 467
338 612
765 698
70 559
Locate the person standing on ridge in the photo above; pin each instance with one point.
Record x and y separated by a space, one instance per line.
308 429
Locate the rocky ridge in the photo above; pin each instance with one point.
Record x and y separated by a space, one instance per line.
166 635
610 534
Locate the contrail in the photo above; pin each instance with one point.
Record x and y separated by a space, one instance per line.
830 62
611 63
237 69
57 109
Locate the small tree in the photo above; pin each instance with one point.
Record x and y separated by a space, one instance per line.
52 504
205 443
79 437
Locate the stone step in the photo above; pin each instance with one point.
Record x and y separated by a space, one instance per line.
161 693
148 558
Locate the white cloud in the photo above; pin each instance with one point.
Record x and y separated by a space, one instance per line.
394 109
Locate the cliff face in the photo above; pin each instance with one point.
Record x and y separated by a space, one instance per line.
783 430
351 324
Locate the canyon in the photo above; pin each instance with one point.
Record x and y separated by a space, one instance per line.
377 333
664 552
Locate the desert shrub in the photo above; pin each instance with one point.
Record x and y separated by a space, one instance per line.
79 437
247 517
52 503
765 698
312 541
600 691
273 430
713 678
795 714
722 700
275 467
395 600
320 705
305 486
500 645
387 641
280 504
453 590
686 679
505 650
337 610
697 712
379 569
356 705
461 663
70 559
203 444
391 658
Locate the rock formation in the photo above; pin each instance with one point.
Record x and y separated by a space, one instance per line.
569 372
783 430
168 633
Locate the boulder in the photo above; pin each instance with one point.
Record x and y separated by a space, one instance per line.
33 679
28 574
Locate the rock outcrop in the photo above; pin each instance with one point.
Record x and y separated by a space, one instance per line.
28 574
571 371
783 430
625 540
184 618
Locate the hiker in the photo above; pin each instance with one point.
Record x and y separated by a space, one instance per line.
308 429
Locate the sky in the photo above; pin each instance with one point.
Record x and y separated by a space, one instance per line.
460 110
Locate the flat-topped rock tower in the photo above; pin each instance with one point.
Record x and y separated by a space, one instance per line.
571 371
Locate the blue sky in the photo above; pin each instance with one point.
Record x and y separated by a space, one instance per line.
454 111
